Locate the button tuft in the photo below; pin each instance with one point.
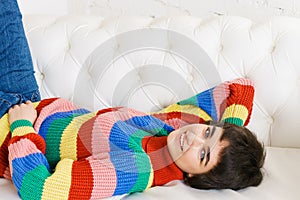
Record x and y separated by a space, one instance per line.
42 76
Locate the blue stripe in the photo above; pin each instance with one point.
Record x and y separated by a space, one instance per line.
22 166
120 135
123 157
150 124
126 170
122 154
59 115
206 102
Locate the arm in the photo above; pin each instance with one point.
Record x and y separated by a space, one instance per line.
239 103
230 101
70 180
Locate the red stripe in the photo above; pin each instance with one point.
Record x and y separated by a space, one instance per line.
165 169
82 151
242 95
4 155
189 118
35 138
84 139
108 110
82 181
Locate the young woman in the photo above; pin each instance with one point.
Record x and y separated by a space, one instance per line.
52 149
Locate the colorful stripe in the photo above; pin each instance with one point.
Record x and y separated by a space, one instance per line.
4 127
57 186
236 111
81 170
69 136
78 154
104 176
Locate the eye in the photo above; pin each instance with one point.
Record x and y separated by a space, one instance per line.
207 132
202 155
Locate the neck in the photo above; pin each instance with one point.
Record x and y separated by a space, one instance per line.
164 168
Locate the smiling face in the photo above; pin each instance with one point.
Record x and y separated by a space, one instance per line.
195 148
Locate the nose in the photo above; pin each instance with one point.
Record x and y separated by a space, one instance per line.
194 139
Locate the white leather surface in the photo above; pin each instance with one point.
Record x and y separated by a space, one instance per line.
95 63
87 59
281 181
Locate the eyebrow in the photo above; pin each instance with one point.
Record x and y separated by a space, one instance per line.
208 154
207 157
213 131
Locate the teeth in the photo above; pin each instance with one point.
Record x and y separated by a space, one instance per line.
181 141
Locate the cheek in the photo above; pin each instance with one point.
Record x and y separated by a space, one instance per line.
188 162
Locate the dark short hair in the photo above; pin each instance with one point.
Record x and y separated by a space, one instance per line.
240 163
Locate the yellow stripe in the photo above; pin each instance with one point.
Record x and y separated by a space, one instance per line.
4 128
237 111
69 136
190 109
151 178
35 104
23 130
4 125
58 185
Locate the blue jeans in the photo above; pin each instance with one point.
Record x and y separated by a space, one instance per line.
17 80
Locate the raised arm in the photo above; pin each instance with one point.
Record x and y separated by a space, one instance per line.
230 101
239 102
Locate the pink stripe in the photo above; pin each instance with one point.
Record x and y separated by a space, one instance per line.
100 135
104 176
222 91
131 112
22 148
220 94
85 133
103 125
59 105
176 123
243 81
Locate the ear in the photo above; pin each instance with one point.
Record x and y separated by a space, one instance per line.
190 175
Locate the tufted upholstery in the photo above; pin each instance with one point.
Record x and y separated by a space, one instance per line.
95 63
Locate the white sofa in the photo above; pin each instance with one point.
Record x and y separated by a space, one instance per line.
148 63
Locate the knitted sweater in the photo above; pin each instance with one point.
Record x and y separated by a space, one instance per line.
72 153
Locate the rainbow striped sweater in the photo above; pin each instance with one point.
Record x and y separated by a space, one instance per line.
72 153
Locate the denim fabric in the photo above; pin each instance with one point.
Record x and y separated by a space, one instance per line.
17 81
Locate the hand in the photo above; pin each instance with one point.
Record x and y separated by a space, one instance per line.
23 111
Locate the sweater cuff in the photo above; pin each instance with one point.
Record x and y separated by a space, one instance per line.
21 127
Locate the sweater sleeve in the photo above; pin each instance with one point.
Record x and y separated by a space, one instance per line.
70 180
230 101
239 103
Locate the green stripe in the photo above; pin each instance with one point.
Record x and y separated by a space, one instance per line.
142 161
159 132
189 101
33 183
234 120
53 139
19 123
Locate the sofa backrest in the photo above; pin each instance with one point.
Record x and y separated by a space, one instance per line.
148 63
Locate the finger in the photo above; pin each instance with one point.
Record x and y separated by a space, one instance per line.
28 102
10 109
15 106
22 104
